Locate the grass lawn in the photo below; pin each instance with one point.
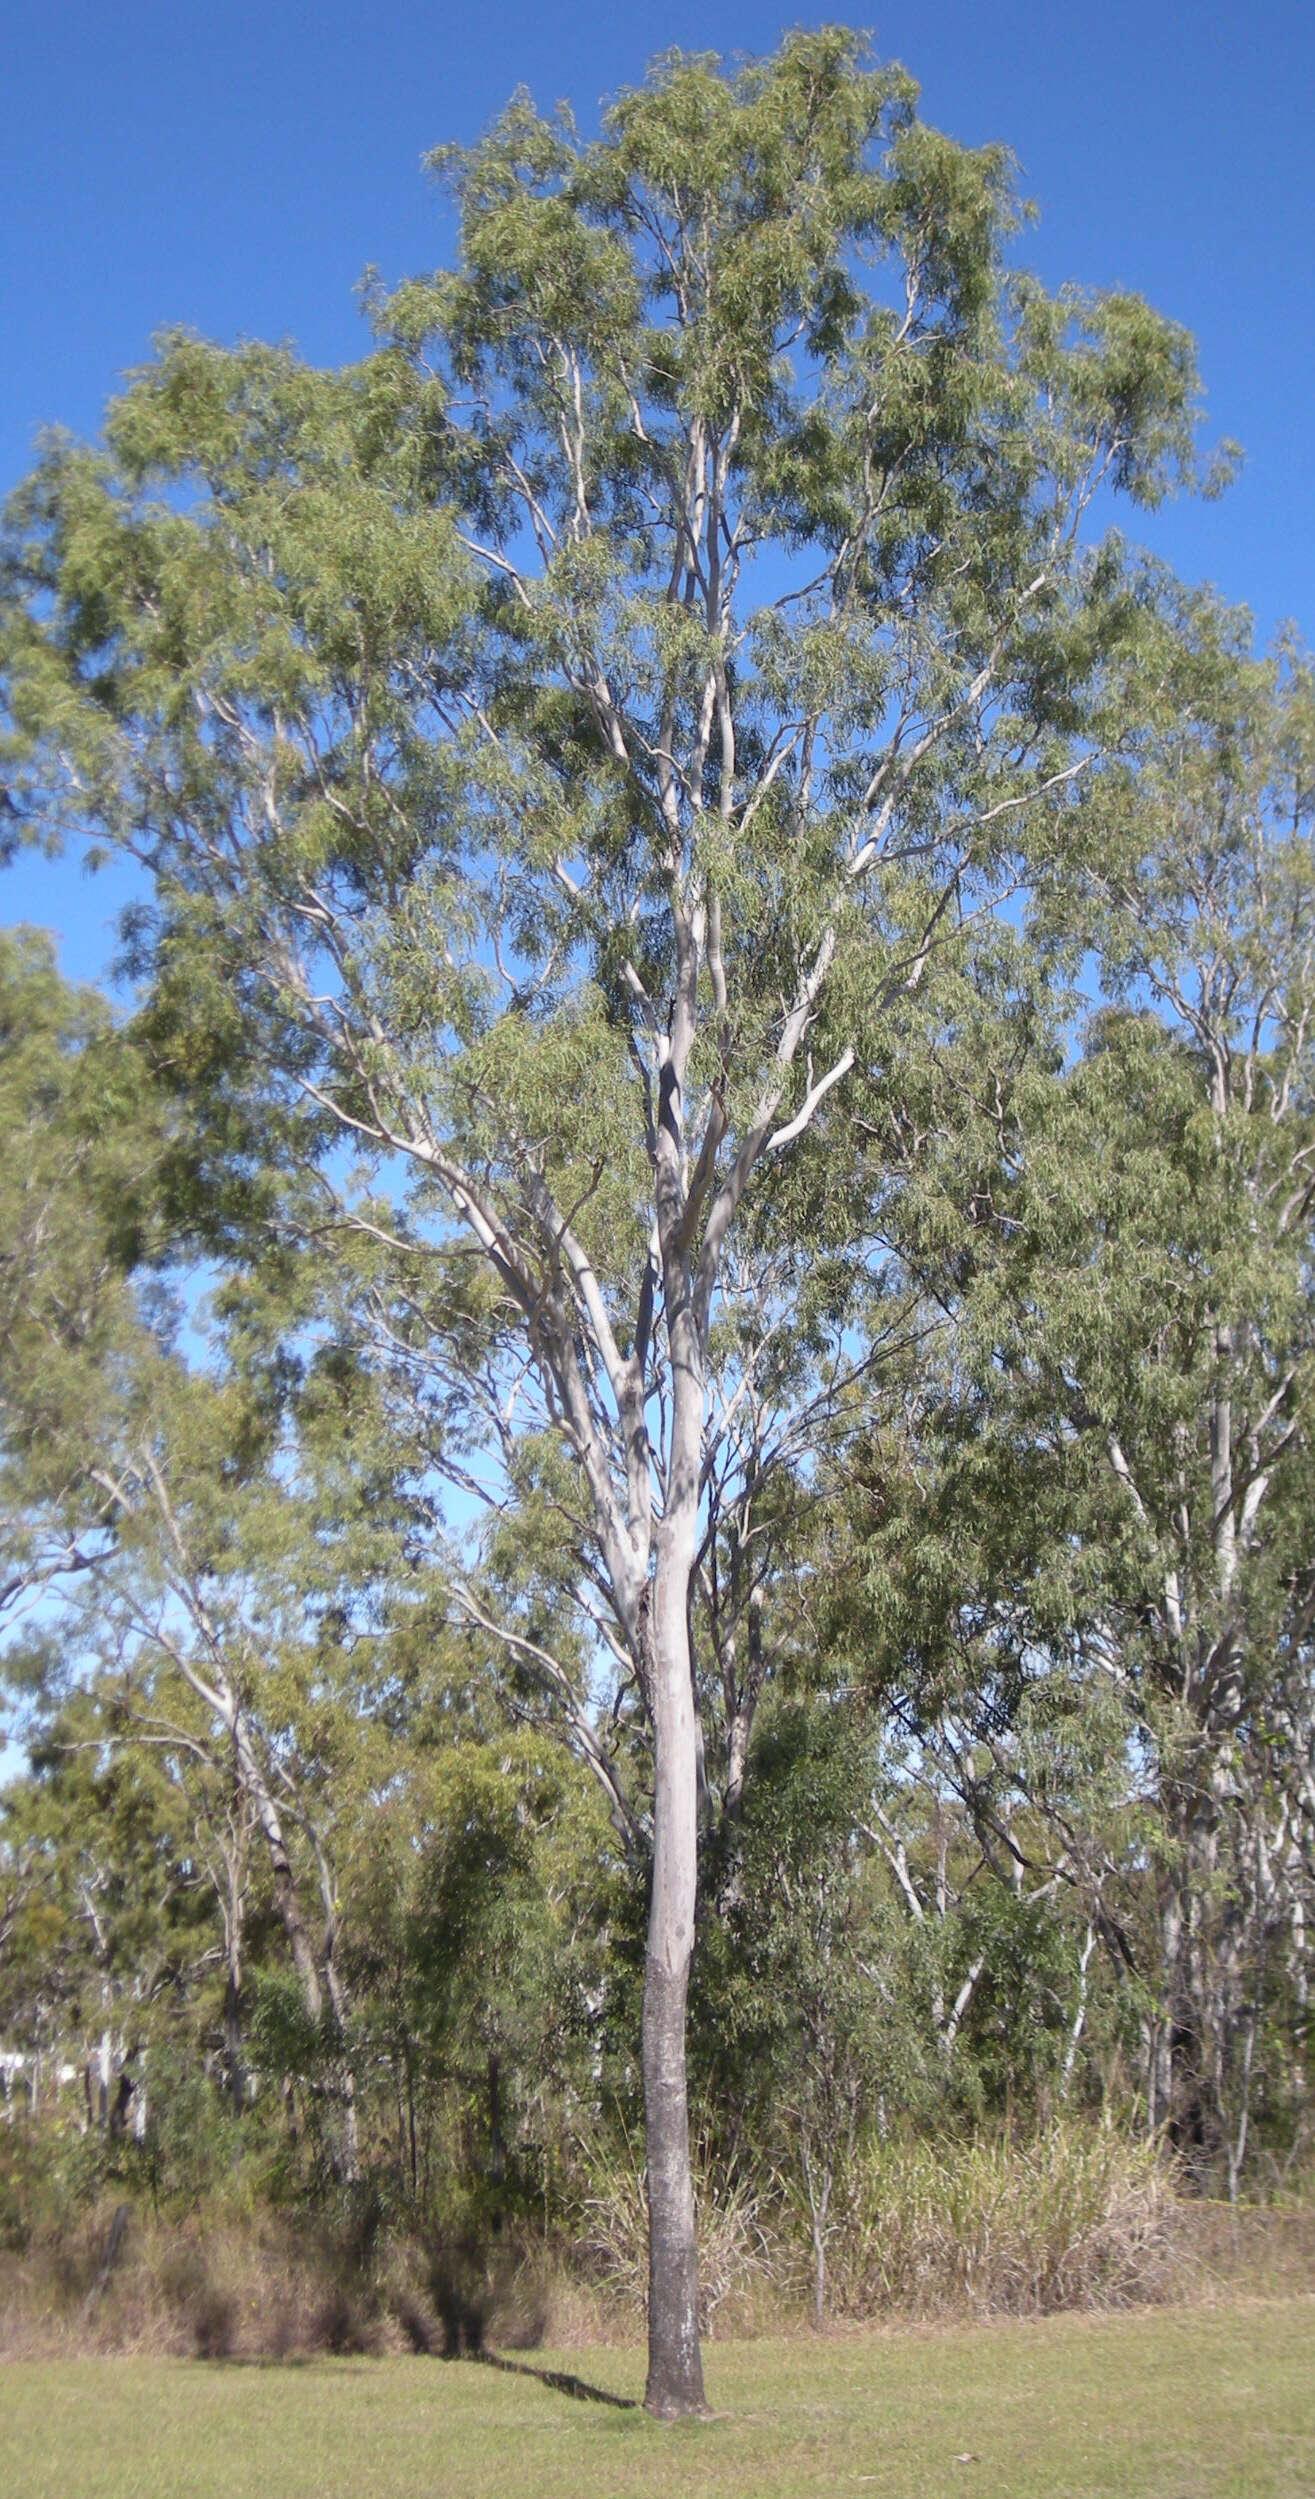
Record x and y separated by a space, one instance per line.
1179 2404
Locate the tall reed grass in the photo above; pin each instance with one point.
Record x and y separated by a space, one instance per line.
1080 2216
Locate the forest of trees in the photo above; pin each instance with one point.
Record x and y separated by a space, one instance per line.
654 1464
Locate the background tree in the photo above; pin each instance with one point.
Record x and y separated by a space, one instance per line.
1098 1593
84 1141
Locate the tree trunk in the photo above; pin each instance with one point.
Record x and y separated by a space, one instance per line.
819 2200
343 2149
675 2367
346 2150
1299 1979
286 1900
234 2068
232 1903
497 2140
1193 2014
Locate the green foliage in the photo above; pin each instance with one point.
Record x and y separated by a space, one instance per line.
807 1984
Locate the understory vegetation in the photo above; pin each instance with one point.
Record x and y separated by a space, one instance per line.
1074 2217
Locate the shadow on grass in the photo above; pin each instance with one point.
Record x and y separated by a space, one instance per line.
560 2380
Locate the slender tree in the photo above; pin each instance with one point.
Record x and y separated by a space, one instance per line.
557 748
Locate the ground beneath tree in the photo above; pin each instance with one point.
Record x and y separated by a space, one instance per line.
1171 2404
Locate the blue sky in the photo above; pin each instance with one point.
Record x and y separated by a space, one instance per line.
235 167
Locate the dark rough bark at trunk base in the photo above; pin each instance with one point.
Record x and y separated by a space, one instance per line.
235 2070
675 2365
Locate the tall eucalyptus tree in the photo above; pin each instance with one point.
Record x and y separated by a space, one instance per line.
558 746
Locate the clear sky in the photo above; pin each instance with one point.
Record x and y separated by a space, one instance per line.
235 166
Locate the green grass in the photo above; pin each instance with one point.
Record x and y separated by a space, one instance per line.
1182 2404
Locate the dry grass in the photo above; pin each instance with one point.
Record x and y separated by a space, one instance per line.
261 2289
206 2293
746 2273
